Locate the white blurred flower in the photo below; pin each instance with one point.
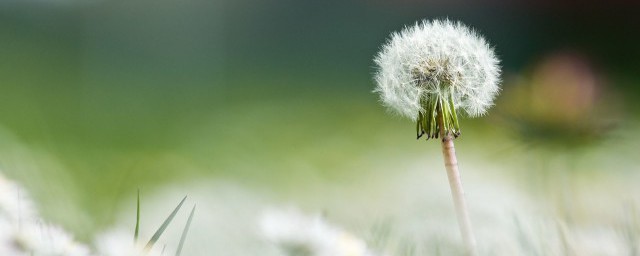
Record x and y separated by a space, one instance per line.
298 234
22 232
15 203
45 239
120 242
437 65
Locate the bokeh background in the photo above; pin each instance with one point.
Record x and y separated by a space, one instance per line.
100 98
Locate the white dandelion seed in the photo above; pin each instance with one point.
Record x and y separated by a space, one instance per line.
437 67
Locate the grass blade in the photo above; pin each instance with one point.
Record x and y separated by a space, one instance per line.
185 231
164 226
135 234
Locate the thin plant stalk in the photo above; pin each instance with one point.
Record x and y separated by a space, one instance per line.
451 164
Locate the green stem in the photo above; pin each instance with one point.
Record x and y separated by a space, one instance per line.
454 115
427 123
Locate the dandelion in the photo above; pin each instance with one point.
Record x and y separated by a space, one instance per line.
429 73
433 69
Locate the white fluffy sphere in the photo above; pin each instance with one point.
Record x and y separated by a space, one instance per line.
437 59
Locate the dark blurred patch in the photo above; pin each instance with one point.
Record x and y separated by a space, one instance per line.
562 101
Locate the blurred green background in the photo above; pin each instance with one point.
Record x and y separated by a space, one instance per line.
100 98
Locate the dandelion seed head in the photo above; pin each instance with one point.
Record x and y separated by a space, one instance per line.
437 59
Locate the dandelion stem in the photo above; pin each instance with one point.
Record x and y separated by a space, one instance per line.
451 164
